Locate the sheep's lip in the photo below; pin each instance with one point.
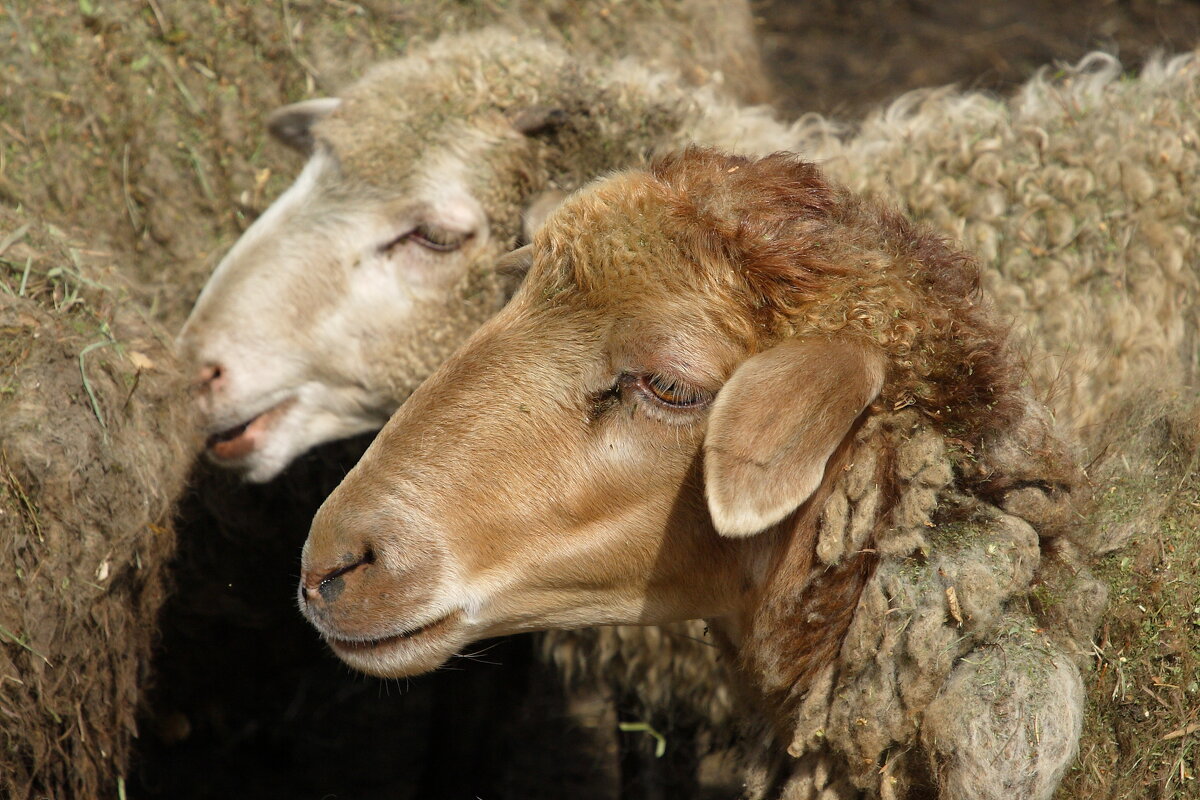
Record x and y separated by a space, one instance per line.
241 440
426 631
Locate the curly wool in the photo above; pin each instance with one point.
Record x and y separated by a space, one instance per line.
1076 197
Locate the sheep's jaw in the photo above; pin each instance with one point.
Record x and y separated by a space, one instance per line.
263 440
407 652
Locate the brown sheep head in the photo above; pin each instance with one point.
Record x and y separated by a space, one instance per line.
650 431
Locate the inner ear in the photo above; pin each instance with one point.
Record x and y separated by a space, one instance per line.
777 421
512 268
539 208
292 125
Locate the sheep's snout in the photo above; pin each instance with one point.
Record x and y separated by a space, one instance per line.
323 584
340 572
210 384
374 585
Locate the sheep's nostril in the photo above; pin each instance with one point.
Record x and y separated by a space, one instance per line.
327 586
211 378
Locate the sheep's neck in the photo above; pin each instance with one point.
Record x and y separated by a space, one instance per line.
798 620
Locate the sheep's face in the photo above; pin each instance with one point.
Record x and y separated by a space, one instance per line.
359 279
514 479
574 463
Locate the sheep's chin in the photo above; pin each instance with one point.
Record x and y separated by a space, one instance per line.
236 446
405 654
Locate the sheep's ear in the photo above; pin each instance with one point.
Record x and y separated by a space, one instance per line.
513 266
538 210
775 424
292 124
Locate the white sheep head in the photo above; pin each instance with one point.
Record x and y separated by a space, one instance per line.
377 262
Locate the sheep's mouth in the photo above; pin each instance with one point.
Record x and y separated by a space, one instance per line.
241 440
430 630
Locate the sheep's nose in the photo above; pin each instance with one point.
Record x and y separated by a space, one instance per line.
211 378
323 585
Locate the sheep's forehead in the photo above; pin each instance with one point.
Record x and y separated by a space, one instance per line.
618 242
610 256
380 147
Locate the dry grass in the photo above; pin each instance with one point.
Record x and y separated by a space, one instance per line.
95 437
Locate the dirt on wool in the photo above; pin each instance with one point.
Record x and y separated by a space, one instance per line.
132 145
96 434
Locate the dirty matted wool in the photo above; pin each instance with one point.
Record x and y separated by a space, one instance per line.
948 594
95 437
1007 719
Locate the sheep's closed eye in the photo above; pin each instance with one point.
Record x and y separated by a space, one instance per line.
665 398
671 392
665 392
431 237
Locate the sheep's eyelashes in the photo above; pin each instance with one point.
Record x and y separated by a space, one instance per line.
437 239
431 238
601 401
671 392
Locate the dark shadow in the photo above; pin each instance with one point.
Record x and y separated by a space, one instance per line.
247 702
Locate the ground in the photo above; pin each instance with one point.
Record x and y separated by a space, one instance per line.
843 57
1142 730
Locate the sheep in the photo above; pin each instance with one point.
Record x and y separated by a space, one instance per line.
731 389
